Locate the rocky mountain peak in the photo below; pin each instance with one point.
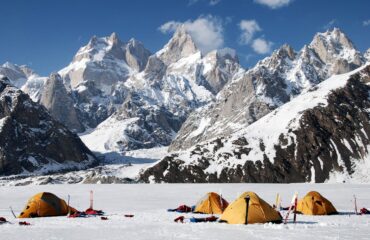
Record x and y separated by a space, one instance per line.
180 45
333 44
367 55
136 55
286 51
279 58
113 38
59 103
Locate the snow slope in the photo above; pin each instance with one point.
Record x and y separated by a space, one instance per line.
151 221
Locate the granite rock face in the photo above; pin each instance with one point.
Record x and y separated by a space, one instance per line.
60 104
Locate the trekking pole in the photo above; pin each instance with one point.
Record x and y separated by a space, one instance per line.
91 199
247 198
69 209
354 196
11 209
295 208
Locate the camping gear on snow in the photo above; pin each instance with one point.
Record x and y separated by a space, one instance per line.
315 204
206 219
292 208
211 203
259 211
46 204
181 209
89 212
93 212
24 223
129 215
364 211
3 220
77 215
103 218
182 219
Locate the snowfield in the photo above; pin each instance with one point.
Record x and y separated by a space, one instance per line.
151 221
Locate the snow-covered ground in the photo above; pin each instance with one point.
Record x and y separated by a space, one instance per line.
151 221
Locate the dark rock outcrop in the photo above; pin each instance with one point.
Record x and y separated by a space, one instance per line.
31 141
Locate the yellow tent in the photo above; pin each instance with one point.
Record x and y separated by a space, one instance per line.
211 203
258 211
45 205
315 204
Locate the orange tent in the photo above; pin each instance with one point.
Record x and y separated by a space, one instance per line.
45 205
211 203
315 204
259 211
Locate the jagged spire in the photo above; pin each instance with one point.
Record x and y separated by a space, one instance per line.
114 38
180 45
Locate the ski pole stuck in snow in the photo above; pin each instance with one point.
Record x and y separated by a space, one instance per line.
11 210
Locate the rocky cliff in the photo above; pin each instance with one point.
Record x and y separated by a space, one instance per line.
31 141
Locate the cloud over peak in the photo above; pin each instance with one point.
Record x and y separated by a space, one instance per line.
261 46
248 28
206 31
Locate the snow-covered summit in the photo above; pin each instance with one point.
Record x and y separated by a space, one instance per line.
180 45
156 101
275 80
333 45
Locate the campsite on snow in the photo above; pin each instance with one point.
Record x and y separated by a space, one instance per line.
243 119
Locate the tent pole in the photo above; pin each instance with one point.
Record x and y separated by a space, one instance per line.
91 199
295 208
247 198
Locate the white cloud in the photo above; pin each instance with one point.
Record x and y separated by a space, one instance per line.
261 46
330 24
274 4
214 2
169 27
248 28
366 22
206 31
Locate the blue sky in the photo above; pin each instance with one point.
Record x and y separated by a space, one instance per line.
45 34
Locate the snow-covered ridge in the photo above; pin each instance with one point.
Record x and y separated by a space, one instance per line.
285 119
282 120
298 141
273 81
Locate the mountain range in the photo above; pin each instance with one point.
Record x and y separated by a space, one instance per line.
118 96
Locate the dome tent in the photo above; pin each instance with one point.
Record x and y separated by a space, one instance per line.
315 204
45 204
211 203
259 211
